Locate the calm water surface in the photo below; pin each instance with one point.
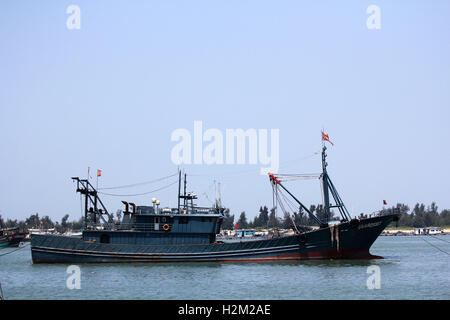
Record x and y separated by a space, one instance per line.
412 269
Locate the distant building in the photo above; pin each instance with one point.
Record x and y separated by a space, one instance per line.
42 231
245 233
425 231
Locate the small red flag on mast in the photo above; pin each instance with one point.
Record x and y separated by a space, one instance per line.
384 202
326 138
99 173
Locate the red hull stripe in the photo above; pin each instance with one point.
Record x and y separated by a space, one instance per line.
328 254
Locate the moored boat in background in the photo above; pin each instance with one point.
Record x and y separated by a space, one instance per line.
12 237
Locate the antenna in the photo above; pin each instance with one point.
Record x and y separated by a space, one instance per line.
179 189
218 196
184 198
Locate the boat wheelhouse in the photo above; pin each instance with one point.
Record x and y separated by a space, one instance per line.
151 225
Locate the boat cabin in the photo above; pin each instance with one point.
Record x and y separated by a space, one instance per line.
152 225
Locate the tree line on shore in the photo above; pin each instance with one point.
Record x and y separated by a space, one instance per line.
44 223
420 216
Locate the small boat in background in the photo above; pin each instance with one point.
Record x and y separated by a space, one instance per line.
42 231
242 235
12 237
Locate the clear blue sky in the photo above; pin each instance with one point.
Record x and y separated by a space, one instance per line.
110 94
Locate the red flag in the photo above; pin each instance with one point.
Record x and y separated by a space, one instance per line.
384 202
89 172
236 226
99 173
326 138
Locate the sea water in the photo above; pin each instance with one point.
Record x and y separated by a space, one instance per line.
412 268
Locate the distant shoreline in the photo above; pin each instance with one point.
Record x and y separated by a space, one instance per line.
409 231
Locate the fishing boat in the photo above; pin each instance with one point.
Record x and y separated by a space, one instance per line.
11 237
188 232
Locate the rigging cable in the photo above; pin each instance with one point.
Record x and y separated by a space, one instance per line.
439 238
292 220
138 194
139 184
300 176
256 170
1 255
434 246
282 206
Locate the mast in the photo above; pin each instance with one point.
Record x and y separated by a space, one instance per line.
186 197
328 187
86 198
91 197
326 196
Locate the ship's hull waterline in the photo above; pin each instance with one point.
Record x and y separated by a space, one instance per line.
350 240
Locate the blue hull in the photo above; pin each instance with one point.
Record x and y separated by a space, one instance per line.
344 241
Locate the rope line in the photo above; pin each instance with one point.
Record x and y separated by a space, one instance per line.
138 194
1 255
139 184
282 165
277 192
435 246
439 238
